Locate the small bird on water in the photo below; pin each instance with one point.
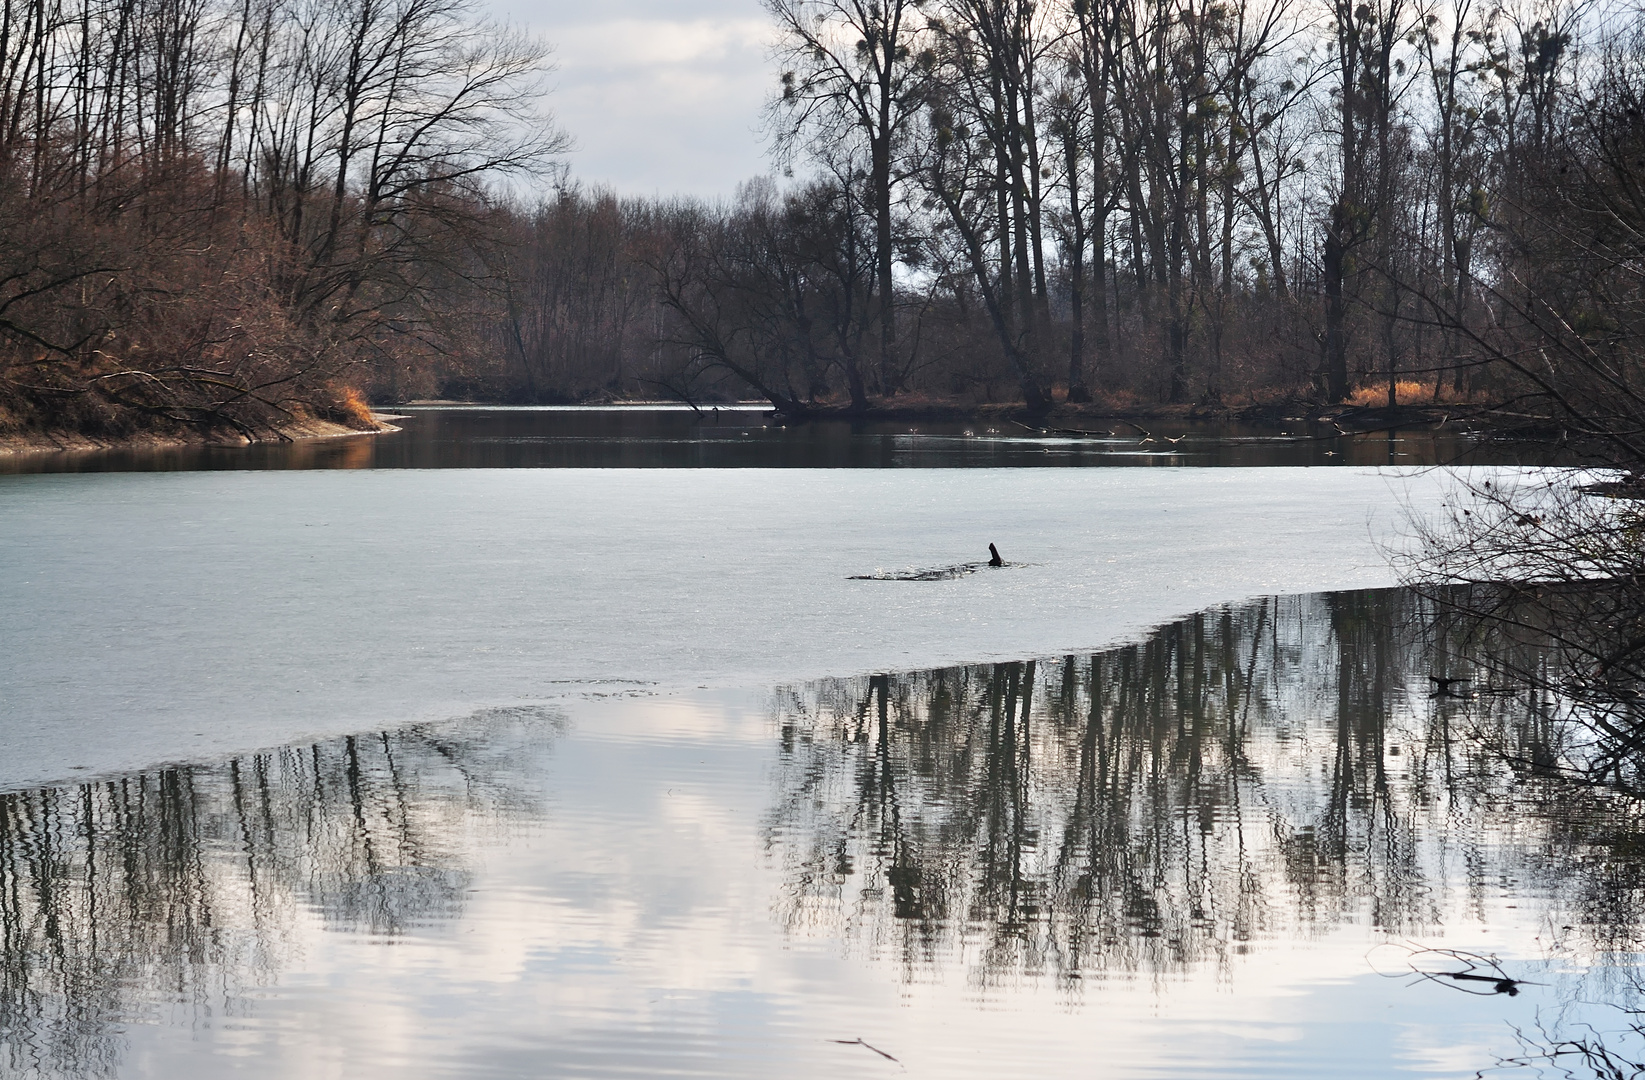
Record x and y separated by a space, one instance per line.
996 560
1442 686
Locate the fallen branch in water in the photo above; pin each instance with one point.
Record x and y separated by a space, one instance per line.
869 1046
1420 962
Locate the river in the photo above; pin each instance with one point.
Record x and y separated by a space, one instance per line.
602 744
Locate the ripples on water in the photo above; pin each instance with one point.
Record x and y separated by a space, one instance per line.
1171 858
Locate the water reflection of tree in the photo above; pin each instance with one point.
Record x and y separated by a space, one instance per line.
1529 558
182 888
1278 768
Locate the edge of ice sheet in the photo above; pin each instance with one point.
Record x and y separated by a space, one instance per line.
151 617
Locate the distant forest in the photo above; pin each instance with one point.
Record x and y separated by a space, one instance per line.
226 214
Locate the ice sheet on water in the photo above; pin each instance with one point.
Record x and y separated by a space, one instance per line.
154 617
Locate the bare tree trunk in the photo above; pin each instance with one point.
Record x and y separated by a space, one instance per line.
1077 390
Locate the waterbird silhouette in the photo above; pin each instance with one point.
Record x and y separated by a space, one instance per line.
1443 686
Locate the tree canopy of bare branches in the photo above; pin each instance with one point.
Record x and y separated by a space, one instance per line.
211 209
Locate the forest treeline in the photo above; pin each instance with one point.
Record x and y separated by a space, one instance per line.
222 213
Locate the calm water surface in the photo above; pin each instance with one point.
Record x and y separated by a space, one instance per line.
1252 842
653 437
1231 849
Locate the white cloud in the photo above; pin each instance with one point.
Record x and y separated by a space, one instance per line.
628 44
663 106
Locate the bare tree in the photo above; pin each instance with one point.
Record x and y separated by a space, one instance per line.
850 69
213 209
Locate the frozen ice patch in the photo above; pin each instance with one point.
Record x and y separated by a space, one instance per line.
175 616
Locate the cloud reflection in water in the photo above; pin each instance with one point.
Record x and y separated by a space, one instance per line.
1249 798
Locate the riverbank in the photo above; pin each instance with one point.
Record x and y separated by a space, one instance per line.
53 442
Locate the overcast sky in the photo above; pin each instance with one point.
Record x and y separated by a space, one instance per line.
662 98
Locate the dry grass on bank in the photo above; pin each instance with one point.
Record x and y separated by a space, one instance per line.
1408 392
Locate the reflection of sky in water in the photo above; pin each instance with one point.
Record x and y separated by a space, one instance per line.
976 870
